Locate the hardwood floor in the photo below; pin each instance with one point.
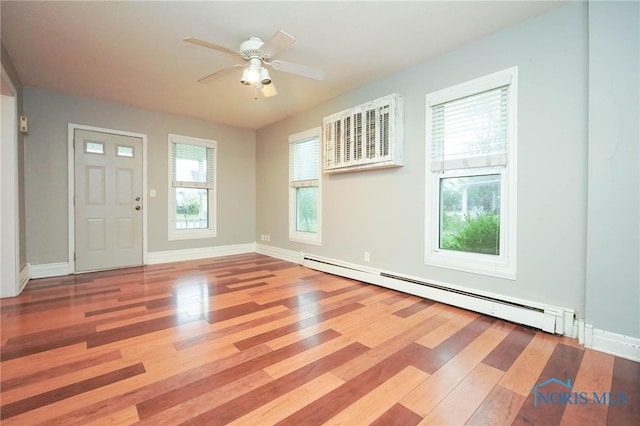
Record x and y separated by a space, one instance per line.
253 340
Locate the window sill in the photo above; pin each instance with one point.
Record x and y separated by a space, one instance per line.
474 263
305 239
191 235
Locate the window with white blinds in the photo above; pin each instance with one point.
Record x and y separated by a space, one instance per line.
304 163
192 184
304 187
471 132
193 166
471 139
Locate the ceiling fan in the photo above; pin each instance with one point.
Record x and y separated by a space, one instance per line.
256 54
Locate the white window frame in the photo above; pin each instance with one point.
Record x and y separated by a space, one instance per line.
187 234
504 264
314 238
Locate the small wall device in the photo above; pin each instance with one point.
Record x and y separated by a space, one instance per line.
24 124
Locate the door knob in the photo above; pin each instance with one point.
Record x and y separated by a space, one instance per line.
137 198
138 207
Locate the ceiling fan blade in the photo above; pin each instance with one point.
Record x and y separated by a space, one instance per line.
269 90
298 69
278 42
209 78
212 46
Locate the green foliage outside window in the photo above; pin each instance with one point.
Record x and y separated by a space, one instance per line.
189 205
191 208
307 211
470 214
478 233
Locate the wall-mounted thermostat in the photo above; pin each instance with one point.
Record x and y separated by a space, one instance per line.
24 124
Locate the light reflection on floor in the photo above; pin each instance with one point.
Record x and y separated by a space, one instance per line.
192 296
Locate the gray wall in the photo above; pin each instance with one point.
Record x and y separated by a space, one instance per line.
46 171
613 255
7 63
383 212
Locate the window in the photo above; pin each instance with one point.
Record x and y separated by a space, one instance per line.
471 181
124 151
192 167
304 187
91 147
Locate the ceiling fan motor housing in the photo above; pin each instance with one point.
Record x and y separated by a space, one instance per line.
251 48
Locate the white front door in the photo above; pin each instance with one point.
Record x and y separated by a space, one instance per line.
108 200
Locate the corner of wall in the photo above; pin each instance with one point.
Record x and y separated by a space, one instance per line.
608 342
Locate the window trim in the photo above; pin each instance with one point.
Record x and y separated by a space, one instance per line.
504 264
211 231
313 238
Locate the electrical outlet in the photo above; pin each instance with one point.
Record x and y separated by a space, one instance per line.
367 256
267 237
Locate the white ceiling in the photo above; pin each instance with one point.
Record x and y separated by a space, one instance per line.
132 52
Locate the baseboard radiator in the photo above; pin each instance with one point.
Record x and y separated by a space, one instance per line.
548 318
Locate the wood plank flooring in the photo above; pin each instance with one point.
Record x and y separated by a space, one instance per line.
253 340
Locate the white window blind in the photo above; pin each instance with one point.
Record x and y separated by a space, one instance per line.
193 166
471 131
304 163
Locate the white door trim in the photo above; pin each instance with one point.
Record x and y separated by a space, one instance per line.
71 185
10 216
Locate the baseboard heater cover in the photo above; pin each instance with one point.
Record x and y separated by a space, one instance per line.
462 292
549 319
356 268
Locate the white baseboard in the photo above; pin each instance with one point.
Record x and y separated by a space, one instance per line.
62 268
23 277
198 253
611 343
46 270
278 253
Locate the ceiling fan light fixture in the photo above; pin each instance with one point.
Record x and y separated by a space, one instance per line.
265 78
254 75
251 74
245 77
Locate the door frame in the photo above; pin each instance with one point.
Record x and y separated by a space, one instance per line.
71 182
10 284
